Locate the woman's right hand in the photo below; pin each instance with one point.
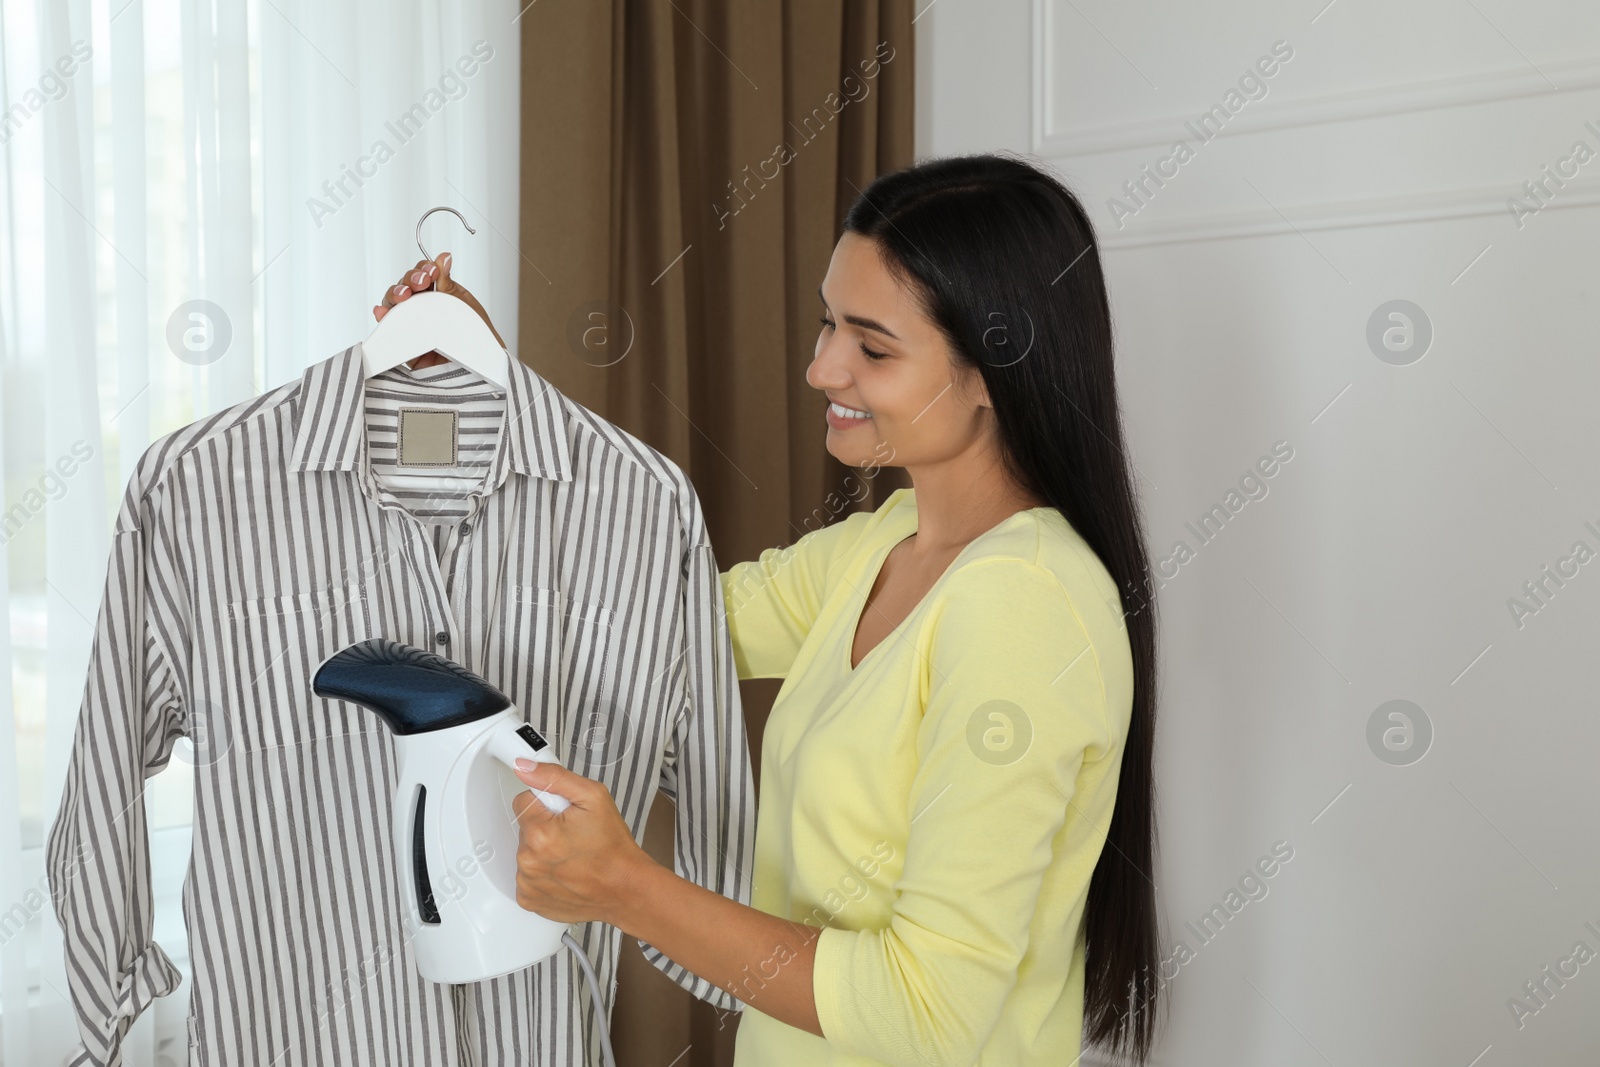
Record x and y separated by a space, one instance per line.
431 274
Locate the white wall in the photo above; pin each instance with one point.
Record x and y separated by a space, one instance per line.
1382 561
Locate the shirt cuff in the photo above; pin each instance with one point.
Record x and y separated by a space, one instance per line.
701 988
151 974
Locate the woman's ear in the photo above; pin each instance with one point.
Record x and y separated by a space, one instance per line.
969 380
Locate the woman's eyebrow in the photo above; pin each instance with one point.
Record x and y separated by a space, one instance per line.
857 320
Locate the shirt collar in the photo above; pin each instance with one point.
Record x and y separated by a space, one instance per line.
330 421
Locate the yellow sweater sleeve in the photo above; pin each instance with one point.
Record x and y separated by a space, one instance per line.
773 600
1014 706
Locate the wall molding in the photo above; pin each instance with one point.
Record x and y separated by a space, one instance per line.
1275 113
1433 206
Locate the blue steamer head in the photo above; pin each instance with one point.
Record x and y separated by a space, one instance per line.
412 690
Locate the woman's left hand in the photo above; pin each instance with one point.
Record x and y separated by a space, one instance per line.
575 865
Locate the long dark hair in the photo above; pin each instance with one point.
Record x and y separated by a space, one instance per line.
1005 262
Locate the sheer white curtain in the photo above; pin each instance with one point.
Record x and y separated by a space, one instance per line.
197 200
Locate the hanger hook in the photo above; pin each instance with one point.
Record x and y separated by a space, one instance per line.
430 211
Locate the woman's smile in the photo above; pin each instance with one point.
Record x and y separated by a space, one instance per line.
843 418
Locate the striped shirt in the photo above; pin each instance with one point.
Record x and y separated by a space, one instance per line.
569 566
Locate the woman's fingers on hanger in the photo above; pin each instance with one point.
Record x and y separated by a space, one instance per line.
434 274
414 280
396 292
421 276
390 295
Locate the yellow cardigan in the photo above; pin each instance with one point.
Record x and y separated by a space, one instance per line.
938 811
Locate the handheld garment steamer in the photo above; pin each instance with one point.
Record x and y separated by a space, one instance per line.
455 830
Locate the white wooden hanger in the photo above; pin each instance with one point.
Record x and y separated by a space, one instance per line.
430 321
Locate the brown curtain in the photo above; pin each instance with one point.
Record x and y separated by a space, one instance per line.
686 165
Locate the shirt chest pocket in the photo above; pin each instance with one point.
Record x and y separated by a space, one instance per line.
571 645
275 644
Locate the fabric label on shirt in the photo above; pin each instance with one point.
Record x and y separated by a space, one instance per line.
427 438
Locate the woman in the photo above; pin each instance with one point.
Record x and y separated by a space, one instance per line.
955 829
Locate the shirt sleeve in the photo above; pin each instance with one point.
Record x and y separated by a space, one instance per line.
706 769
97 853
773 600
1013 709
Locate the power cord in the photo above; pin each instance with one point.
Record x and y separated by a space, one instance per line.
602 1026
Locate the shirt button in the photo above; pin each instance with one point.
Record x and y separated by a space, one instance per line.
466 527
442 637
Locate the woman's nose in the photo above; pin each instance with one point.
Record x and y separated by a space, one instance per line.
826 370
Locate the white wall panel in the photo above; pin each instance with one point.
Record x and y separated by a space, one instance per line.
1420 498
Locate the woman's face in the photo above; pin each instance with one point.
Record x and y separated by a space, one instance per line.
883 360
